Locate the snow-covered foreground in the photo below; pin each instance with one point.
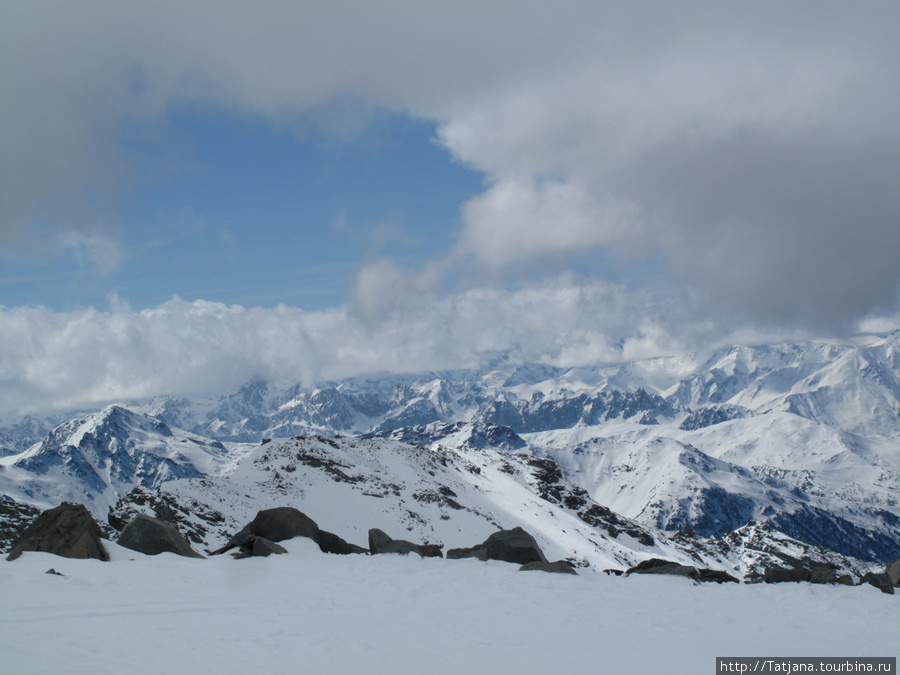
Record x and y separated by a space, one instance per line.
309 612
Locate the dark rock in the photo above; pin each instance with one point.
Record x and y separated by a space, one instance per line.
250 545
284 522
68 530
152 536
278 524
822 573
379 542
475 552
610 571
719 576
879 580
780 575
241 540
514 546
53 571
558 567
331 543
893 571
431 550
660 566
845 580
263 547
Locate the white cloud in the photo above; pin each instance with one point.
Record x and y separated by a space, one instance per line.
86 358
520 220
62 360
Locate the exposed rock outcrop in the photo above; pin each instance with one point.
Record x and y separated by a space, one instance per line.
193 519
279 524
813 572
332 543
718 576
514 546
558 567
780 575
284 522
379 542
263 547
893 572
152 536
660 566
14 518
879 580
68 530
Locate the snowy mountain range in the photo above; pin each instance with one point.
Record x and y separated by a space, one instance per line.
98 458
606 465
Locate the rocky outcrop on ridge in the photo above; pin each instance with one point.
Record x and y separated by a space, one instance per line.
14 518
191 518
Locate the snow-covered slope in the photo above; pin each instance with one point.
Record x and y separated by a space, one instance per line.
23 434
818 484
452 493
853 388
313 612
457 486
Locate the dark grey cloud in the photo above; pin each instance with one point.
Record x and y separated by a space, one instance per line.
799 229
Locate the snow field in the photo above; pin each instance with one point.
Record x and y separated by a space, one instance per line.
309 612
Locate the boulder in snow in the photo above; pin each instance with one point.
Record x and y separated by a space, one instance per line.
780 575
284 522
263 547
152 536
879 580
822 573
332 543
514 546
278 524
68 530
660 566
893 572
379 542
558 567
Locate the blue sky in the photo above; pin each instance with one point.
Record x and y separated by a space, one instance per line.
194 193
241 210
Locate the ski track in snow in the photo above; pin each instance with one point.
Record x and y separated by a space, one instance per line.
316 613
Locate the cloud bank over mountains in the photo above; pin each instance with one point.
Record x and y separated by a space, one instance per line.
738 161
65 360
